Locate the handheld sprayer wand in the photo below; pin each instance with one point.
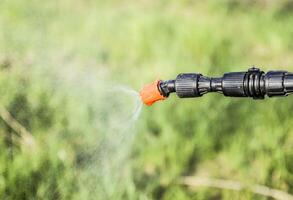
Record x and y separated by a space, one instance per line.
253 83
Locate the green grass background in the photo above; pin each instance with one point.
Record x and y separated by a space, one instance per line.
133 42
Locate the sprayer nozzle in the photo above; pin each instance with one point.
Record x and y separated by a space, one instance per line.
150 93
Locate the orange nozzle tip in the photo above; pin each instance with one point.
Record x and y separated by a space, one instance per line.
150 93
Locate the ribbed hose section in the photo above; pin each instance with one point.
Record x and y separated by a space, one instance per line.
254 84
244 84
186 85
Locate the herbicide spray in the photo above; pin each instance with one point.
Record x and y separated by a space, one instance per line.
99 119
104 116
106 168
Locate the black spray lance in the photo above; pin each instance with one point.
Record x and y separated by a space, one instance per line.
253 83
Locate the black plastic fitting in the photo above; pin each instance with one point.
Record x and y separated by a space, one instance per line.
253 83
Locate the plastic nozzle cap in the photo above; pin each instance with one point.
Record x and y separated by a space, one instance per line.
150 93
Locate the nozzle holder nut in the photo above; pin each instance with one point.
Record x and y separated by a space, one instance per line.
186 85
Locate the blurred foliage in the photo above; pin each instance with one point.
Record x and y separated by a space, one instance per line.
134 42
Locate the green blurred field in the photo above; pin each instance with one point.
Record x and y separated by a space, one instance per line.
132 43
